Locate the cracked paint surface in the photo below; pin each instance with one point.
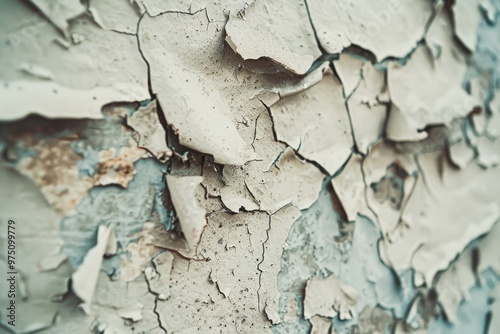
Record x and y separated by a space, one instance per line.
251 166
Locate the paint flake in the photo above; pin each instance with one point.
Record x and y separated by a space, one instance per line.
191 215
150 131
290 181
467 18
315 123
261 31
387 29
329 297
427 89
84 279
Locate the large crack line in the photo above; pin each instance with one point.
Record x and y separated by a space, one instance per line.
320 47
155 311
261 261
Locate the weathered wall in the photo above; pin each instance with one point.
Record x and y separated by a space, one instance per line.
250 167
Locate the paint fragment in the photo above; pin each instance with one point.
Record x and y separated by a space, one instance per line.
48 99
252 34
191 215
467 18
372 25
150 131
315 123
60 12
84 279
329 297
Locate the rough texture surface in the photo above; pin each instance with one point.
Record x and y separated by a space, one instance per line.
285 166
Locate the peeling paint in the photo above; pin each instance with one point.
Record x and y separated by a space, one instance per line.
251 167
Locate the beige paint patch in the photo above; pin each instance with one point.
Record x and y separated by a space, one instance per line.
191 215
386 28
132 312
289 181
120 306
320 325
150 131
49 99
264 31
427 89
467 17
229 254
315 123
234 193
328 298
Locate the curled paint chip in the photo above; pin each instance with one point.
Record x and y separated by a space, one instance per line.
84 279
253 34
51 100
191 215
386 28
150 131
